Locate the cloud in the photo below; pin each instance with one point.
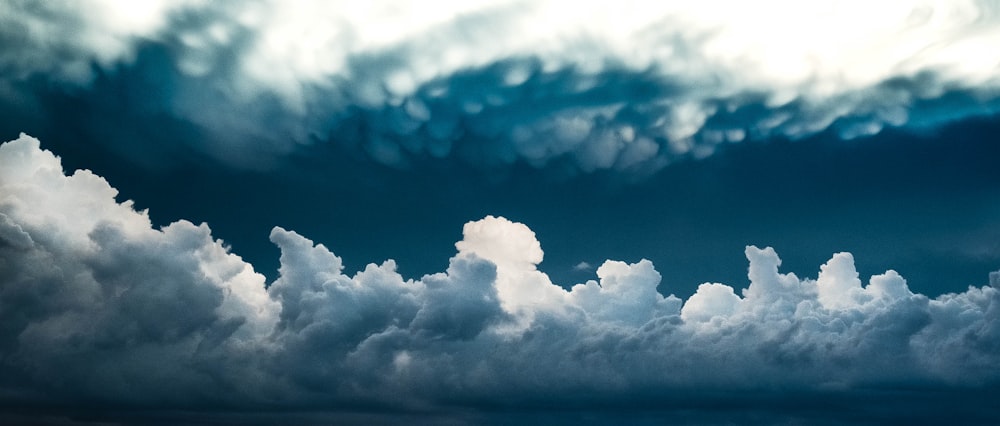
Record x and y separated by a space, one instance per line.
712 300
98 307
68 38
97 303
628 88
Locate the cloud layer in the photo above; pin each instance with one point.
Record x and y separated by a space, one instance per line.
624 86
99 308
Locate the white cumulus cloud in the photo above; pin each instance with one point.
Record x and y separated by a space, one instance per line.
98 306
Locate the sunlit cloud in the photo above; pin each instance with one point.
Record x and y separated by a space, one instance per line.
626 86
98 305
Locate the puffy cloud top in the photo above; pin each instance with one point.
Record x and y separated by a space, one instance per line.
100 307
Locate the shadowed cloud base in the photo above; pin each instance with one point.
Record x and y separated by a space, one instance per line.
99 309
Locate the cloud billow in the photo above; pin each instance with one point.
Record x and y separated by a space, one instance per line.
628 88
98 307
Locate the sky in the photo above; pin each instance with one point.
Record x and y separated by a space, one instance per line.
495 212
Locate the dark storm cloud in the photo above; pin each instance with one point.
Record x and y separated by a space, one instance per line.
628 88
100 309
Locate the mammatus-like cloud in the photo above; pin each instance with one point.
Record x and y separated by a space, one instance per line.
99 308
626 86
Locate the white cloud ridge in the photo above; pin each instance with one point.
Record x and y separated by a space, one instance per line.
97 304
626 86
